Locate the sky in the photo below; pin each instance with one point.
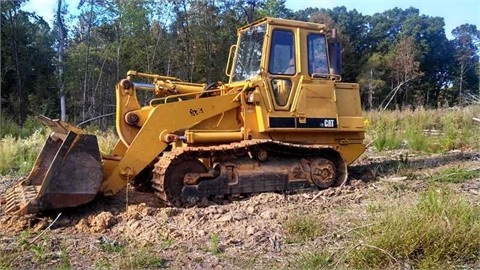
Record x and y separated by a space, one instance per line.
454 12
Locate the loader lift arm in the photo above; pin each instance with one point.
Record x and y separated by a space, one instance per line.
138 149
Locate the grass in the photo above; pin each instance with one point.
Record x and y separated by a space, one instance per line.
129 256
7 259
454 175
375 208
18 155
428 131
314 260
164 244
214 246
384 130
439 231
415 137
142 258
111 247
103 263
302 228
64 256
40 253
49 252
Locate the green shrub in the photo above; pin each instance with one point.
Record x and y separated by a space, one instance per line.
106 140
8 127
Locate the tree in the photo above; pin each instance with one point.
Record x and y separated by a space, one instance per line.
88 19
274 8
13 17
305 14
27 63
205 37
435 55
373 79
404 68
466 42
62 34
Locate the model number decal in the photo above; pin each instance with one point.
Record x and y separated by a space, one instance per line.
195 112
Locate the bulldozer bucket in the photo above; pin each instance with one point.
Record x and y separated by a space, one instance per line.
66 173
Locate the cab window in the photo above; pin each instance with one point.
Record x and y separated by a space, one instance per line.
282 53
249 55
317 55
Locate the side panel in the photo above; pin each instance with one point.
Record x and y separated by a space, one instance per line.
349 107
316 105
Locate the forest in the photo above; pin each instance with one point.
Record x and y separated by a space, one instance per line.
401 58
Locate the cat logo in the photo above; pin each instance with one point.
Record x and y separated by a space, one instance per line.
329 123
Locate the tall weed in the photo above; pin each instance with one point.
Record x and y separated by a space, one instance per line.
106 140
450 135
415 124
441 230
9 148
18 155
430 131
384 129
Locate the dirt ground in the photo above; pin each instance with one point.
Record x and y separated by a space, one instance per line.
132 229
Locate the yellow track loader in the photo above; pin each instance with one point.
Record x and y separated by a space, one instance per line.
284 121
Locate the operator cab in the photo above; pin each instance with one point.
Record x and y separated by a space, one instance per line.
296 65
284 47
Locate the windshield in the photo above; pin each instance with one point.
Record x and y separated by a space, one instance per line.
249 53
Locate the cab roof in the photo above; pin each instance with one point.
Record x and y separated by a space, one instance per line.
287 23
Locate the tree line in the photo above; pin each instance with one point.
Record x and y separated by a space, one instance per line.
401 58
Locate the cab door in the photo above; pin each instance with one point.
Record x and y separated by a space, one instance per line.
283 68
